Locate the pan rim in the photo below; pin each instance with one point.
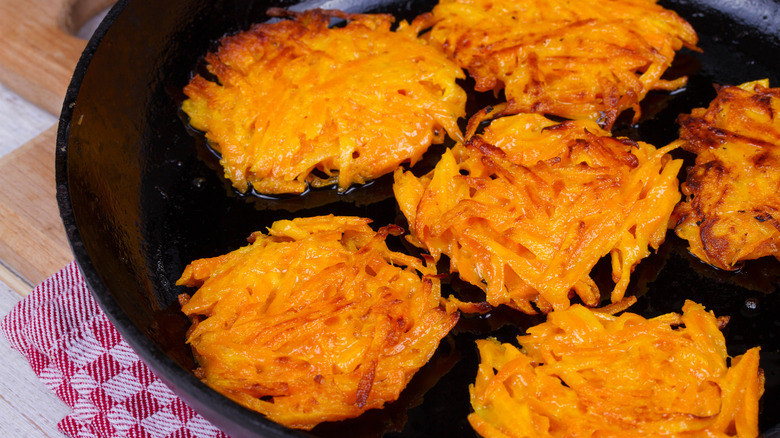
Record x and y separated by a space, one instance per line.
203 399
212 405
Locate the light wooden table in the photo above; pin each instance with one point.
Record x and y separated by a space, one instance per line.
27 133
27 407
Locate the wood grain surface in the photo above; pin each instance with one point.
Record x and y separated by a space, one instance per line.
40 50
22 120
32 238
37 58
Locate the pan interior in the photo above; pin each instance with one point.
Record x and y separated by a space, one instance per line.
141 196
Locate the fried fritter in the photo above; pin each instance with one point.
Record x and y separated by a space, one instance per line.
586 373
315 321
582 59
525 210
732 208
296 103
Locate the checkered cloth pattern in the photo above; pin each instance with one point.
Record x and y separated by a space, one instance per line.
73 348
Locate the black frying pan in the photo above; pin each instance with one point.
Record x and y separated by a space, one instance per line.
141 196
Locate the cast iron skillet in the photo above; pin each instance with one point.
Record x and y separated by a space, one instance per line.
141 196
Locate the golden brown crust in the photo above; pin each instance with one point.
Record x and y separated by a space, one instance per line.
315 321
525 210
298 103
584 373
586 59
732 208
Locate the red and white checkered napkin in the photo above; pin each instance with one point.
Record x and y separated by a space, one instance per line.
78 354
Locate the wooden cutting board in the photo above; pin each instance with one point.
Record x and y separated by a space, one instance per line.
37 58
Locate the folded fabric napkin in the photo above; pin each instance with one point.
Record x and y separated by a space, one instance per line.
73 348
